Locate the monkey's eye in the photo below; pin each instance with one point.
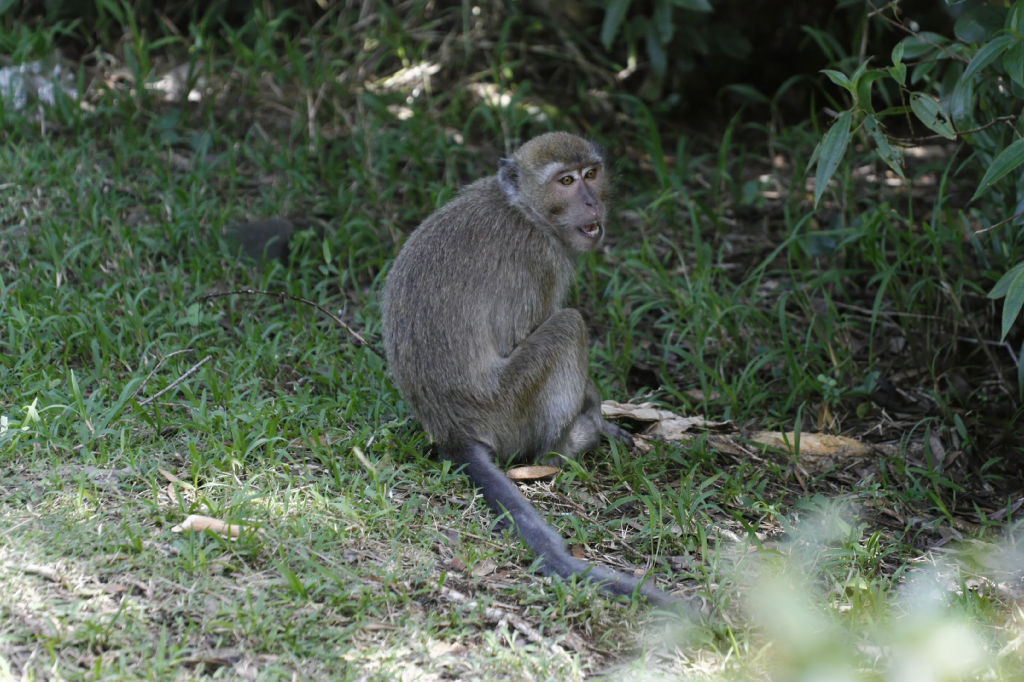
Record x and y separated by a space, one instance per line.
566 180
590 174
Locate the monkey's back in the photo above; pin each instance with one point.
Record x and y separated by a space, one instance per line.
470 283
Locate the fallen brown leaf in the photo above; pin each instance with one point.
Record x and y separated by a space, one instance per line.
199 523
666 424
483 568
531 473
813 446
169 476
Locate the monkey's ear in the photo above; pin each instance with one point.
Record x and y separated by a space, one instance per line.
508 177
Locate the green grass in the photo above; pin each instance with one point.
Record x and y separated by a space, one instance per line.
129 399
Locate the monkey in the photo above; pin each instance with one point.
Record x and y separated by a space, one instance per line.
481 346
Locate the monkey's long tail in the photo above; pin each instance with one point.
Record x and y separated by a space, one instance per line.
503 495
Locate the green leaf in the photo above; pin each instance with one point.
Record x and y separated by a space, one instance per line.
897 54
294 582
1008 160
663 20
827 43
899 110
987 54
1013 62
1015 18
978 23
1003 285
1020 373
961 101
840 79
326 250
915 47
656 51
127 393
863 85
747 92
922 71
899 73
860 71
613 17
886 151
932 115
693 5
1010 285
830 152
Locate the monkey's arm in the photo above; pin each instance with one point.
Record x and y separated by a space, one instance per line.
503 496
559 342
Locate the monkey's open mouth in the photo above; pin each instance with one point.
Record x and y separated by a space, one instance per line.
592 230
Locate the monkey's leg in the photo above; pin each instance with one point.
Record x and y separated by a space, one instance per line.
589 425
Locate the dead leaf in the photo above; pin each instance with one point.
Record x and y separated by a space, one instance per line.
483 567
813 446
826 420
667 425
47 572
199 523
726 444
641 444
169 476
218 658
438 649
531 473
700 396
363 459
106 476
938 451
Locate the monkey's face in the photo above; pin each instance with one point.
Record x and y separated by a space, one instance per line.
574 204
558 181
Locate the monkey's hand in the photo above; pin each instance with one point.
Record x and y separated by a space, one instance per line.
615 432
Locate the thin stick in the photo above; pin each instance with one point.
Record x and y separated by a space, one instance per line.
281 295
191 370
160 364
501 616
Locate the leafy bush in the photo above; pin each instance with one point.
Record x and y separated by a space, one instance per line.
966 89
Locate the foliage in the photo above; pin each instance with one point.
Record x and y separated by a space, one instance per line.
966 88
669 25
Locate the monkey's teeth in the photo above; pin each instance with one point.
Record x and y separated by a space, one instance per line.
591 230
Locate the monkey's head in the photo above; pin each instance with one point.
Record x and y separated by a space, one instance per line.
558 181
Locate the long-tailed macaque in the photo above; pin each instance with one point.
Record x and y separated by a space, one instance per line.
480 342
